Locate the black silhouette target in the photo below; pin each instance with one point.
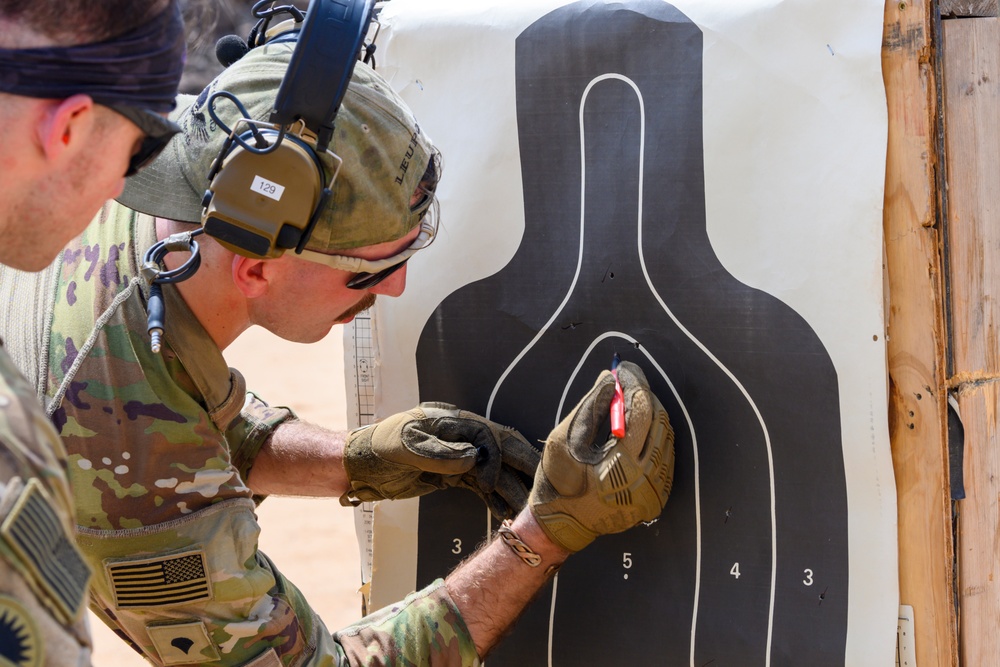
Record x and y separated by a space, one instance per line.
748 564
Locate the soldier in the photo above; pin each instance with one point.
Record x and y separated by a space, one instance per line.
84 88
168 452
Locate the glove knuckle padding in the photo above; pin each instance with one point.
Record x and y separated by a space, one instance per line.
659 453
583 490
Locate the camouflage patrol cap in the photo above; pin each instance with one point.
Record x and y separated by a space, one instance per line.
384 153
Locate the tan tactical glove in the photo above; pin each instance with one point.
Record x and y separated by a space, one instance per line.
435 446
585 488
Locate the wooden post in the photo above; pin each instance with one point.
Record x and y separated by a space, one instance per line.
916 332
972 111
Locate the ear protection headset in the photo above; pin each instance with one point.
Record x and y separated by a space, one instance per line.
268 186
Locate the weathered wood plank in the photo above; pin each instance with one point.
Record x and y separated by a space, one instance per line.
968 8
972 110
915 328
978 559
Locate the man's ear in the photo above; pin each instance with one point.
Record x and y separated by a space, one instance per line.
251 276
65 125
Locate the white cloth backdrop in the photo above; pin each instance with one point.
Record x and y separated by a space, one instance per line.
792 138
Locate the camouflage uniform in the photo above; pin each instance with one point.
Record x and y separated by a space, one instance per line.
159 447
43 578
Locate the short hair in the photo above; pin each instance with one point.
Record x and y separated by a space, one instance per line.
71 22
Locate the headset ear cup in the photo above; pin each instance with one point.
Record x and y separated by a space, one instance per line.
258 205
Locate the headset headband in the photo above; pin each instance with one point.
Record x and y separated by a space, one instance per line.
324 58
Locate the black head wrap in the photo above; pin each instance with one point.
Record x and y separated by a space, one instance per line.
141 68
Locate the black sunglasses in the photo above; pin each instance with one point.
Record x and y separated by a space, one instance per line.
158 130
366 280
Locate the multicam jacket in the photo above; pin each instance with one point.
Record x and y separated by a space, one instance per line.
43 578
159 447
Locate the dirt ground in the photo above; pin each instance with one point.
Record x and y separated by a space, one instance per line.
312 541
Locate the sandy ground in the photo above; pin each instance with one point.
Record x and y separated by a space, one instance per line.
312 541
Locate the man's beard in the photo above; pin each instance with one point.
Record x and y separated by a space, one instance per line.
364 304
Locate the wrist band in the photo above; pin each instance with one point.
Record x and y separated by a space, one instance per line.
522 550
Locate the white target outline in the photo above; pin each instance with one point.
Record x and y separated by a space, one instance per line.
689 335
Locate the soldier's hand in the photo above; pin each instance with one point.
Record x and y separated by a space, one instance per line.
435 446
585 488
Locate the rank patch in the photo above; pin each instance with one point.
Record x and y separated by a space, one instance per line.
183 643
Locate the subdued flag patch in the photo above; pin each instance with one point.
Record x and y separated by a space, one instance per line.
34 532
155 582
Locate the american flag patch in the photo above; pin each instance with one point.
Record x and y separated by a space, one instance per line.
35 533
156 582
